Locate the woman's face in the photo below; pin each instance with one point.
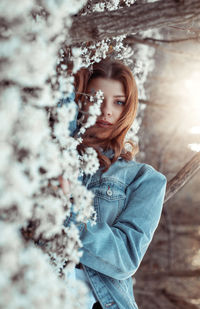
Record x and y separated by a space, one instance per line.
114 100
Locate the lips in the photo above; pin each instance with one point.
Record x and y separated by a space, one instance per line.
103 123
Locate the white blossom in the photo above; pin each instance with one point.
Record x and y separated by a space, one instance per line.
50 212
12 10
10 103
32 122
99 7
129 2
28 285
94 53
32 159
90 162
94 111
83 203
77 60
110 5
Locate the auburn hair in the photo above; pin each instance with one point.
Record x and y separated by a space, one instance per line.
113 139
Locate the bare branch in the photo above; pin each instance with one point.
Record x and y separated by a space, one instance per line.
192 38
133 39
190 29
129 20
183 176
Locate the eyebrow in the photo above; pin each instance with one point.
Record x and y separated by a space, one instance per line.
119 96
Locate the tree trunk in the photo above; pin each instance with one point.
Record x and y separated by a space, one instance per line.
130 20
183 176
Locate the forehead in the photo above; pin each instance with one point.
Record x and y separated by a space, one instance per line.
107 85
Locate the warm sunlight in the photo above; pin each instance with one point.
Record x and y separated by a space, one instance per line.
192 87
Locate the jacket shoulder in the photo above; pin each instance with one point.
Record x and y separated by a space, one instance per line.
129 171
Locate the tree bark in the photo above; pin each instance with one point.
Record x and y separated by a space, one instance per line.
183 176
129 20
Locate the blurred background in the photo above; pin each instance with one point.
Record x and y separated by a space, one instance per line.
169 276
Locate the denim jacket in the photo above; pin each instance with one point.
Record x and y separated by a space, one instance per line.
128 200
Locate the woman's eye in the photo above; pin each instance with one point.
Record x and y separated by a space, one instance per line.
121 103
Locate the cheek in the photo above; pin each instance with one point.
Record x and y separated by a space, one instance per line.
118 113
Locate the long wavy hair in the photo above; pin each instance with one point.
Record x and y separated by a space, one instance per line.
111 138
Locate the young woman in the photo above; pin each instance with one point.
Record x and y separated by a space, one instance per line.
128 195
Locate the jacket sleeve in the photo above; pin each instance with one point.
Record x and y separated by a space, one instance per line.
117 250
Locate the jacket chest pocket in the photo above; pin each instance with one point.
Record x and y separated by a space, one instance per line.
108 201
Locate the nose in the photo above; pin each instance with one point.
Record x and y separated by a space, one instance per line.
106 108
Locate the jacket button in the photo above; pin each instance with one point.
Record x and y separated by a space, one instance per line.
109 192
